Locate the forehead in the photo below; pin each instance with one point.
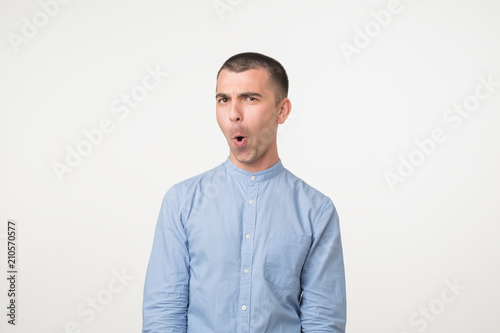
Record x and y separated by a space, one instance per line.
254 80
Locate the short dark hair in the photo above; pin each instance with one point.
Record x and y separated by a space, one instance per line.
250 60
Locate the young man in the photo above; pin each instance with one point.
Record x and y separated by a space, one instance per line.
246 246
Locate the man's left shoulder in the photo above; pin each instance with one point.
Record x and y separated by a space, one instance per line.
304 191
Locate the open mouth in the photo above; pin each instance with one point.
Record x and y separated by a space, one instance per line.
240 140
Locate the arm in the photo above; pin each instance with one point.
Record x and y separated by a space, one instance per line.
166 286
323 303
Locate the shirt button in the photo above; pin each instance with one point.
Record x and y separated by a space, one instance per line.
245 271
247 236
253 178
250 202
244 307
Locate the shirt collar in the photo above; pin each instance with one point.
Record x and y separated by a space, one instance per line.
253 177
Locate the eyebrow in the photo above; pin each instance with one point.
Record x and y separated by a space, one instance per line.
243 94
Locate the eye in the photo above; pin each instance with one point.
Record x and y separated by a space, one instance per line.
222 100
251 99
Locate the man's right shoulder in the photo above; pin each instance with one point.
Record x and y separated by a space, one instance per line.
202 182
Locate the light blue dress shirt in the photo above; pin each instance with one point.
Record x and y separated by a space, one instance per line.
236 252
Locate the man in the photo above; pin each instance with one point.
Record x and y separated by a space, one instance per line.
246 246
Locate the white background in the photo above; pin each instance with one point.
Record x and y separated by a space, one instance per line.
353 118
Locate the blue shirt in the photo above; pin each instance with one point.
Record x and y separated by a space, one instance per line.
236 251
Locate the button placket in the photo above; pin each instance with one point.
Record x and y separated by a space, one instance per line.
247 252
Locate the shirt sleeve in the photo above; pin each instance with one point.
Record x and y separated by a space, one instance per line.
166 286
323 303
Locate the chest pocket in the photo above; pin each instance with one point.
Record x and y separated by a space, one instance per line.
285 258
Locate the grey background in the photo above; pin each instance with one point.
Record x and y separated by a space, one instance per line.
352 120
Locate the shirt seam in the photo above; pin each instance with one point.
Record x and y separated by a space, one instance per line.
326 200
179 207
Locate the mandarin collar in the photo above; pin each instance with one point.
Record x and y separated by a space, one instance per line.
253 177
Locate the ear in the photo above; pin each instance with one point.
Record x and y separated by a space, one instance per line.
284 108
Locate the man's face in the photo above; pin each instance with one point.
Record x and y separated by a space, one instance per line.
248 117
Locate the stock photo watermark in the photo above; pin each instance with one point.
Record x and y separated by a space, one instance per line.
30 27
12 272
365 35
89 309
425 315
223 6
454 117
121 107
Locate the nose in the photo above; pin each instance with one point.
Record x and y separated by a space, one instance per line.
235 112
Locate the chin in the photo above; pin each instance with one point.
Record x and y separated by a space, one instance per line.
244 159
